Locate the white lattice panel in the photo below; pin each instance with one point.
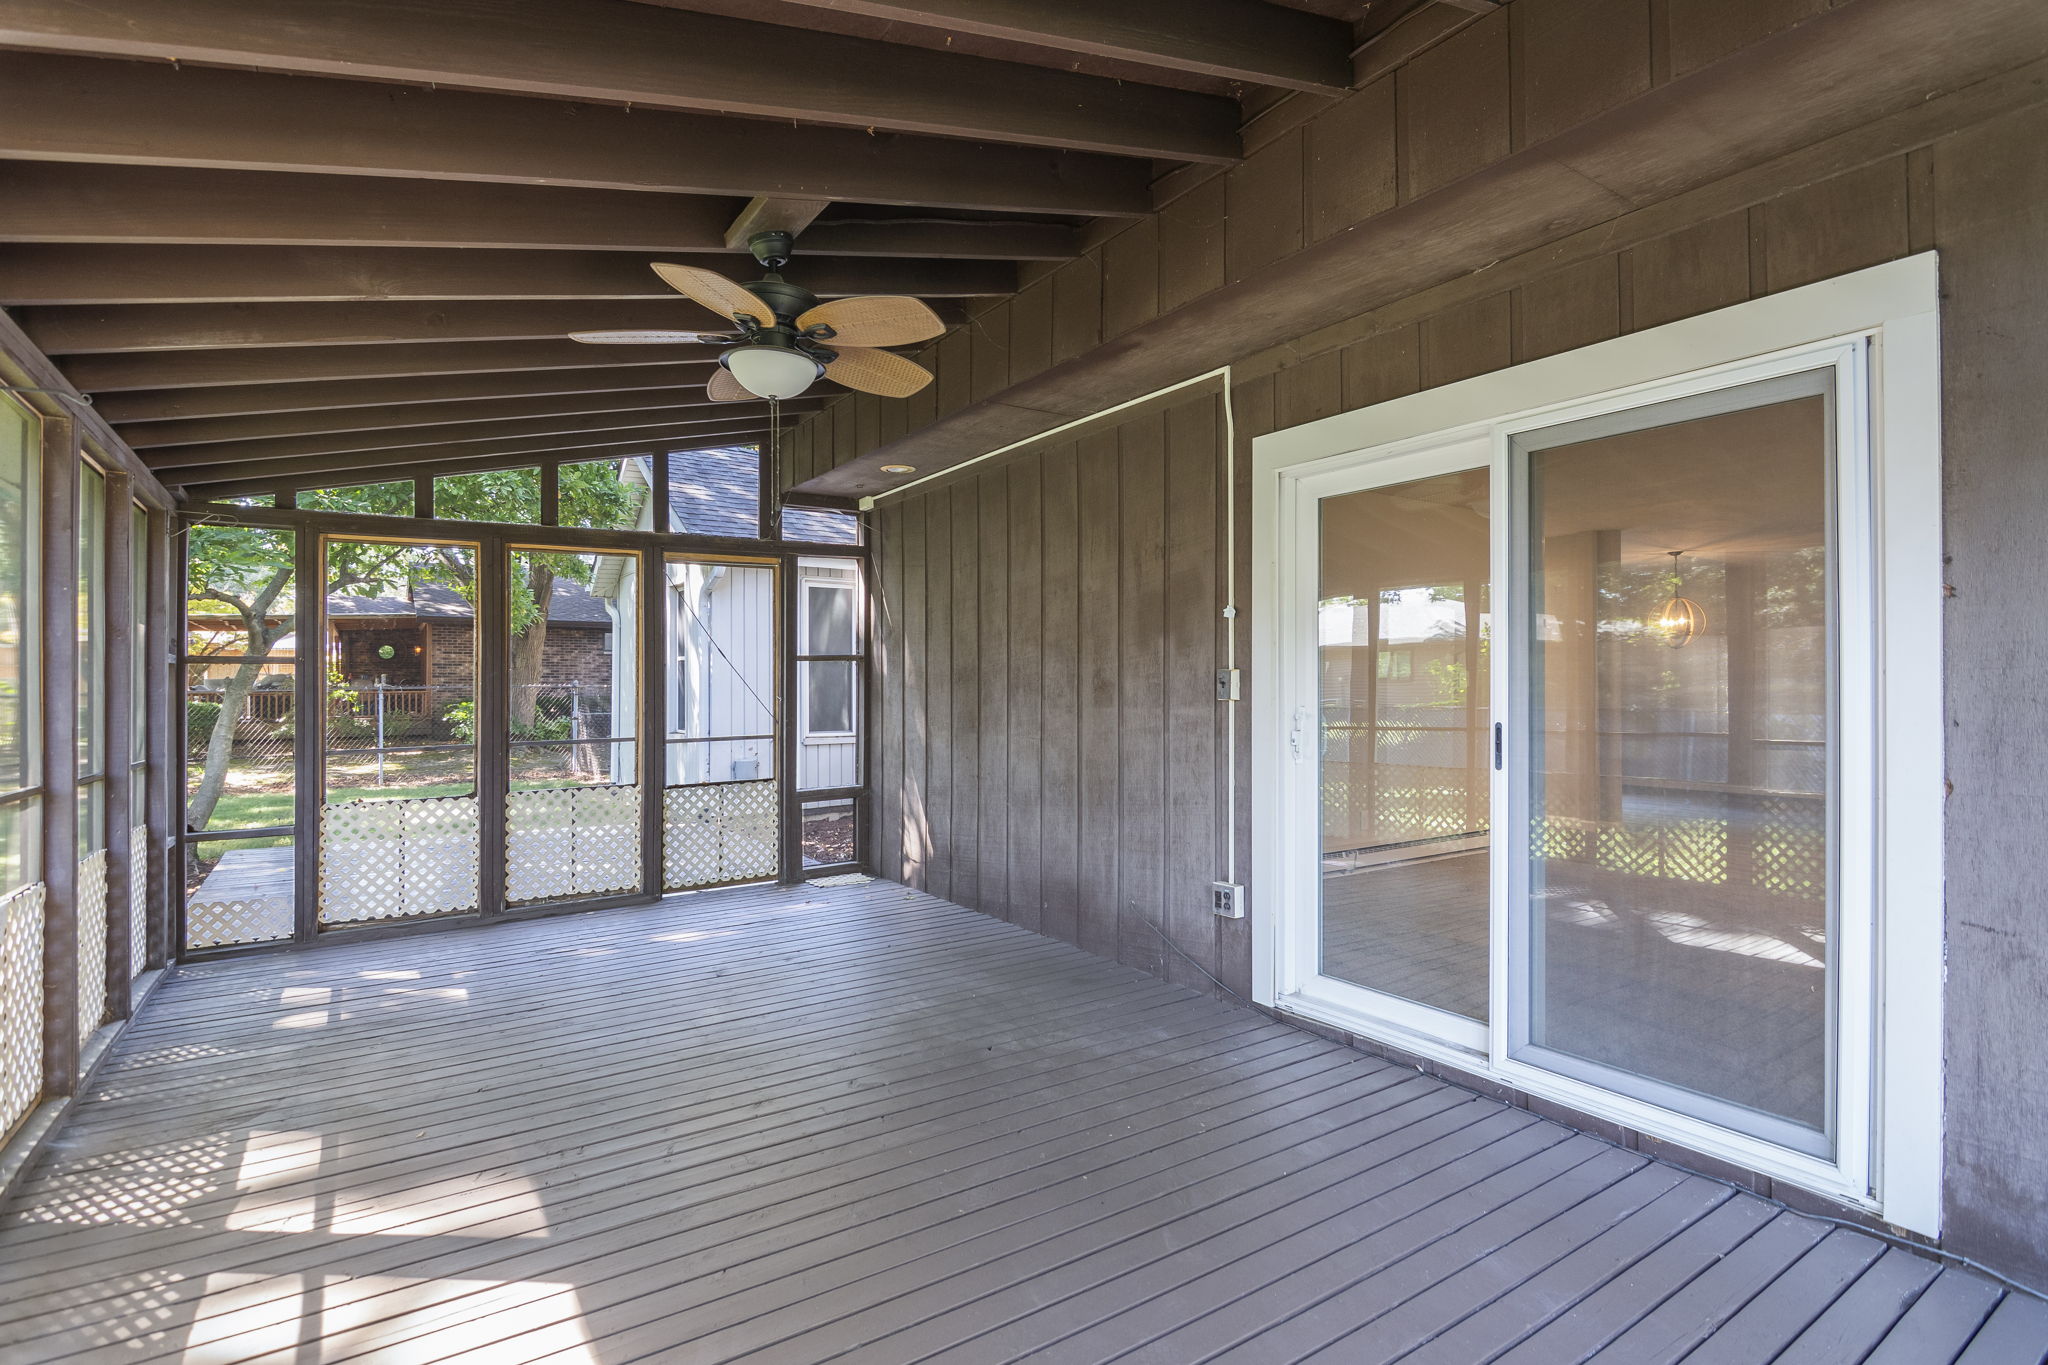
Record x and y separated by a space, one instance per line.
397 859
571 841
540 845
138 899
362 872
719 832
750 825
253 919
607 839
442 848
21 1005
92 943
689 837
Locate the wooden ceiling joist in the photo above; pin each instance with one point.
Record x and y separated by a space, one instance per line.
401 461
1242 40
173 205
55 108
341 422
228 487
165 405
300 364
157 327
611 51
139 327
761 214
37 274
722 416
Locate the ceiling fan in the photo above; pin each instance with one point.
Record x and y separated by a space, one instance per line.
786 338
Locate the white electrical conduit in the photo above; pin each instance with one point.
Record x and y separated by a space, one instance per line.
1229 553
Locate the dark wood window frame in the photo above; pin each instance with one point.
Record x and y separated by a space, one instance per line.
495 542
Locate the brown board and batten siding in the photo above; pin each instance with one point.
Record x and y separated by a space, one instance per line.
1094 563
1063 773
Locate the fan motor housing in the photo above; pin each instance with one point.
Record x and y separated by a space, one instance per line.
786 299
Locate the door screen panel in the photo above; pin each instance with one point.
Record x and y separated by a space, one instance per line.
721 806
399 826
1401 663
242 733
572 816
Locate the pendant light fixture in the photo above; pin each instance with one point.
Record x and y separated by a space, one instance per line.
1681 619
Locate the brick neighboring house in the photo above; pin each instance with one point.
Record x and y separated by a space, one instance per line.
431 637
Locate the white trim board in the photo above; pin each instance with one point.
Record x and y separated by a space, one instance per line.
1892 310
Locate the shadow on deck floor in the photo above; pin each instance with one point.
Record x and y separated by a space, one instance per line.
860 1124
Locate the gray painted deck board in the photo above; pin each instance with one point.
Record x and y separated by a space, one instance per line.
859 1124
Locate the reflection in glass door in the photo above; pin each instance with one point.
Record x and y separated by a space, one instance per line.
1404 740
1676 628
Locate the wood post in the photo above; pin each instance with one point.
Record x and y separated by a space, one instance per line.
159 682
309 726
491 690
791 823
119 758
59 607
652 563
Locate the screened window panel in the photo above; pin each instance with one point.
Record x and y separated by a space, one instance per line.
19 543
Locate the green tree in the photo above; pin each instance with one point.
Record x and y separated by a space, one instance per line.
244 575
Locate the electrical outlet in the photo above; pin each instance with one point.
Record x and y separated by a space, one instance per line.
1227 899
1226 684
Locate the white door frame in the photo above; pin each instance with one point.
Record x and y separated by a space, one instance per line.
1880 324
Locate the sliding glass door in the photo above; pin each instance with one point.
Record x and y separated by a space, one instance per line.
1402 724
1569 703
1677 719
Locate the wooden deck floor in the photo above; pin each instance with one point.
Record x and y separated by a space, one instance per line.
859 1124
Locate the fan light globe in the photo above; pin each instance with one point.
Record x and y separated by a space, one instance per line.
771 371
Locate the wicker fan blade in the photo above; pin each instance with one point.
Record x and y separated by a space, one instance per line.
714 291
723 388
652 338
871 320
882 372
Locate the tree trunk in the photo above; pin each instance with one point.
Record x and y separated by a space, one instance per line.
220 745
529 647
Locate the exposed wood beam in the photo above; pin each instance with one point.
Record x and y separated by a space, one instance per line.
49 201
139 327
418 417
228 487
21 366
159 327
772 215
165 405
496 431
1735 136
1380 17
36 274
299 364
615 52
77 109
507 453
1241 40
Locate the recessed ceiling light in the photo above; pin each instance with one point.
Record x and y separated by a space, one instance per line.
899 469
